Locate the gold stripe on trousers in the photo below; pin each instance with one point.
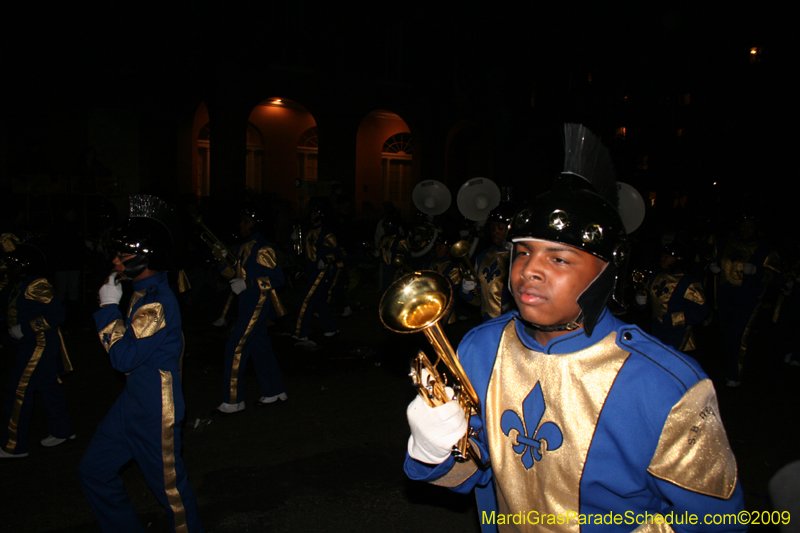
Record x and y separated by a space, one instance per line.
237 353
22 387
168 428
306 299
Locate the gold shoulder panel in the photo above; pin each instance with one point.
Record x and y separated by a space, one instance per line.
266 257
694 293
148 320
693 451
40 291
330 240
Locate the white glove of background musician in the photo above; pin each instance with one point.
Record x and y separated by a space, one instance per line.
238 285
16 331
749 269
434 430
468 286
110 292
641 299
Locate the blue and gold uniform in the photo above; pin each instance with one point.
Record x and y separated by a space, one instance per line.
322 257
747 269
492 266
612 422
144 422
258 303
677 303
41 359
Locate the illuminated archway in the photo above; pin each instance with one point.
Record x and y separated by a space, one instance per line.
384 169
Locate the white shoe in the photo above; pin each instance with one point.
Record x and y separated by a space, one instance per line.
50 441
331 333
230 407
5 455
305 342
272 399
732 384
347 311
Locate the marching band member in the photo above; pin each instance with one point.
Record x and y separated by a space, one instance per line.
581 415
146 343
34 316
677 301
743 270
322 255
491 266
257 276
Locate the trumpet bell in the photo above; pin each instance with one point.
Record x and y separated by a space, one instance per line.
415 301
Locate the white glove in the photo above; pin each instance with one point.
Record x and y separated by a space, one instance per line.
641 299
434 430
220 322
714 268
468 286
238 285
749 269
110 292
321 264
220 251
16 331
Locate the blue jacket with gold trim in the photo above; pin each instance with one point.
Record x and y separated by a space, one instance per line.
586 426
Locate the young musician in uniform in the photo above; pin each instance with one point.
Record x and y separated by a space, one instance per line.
581 415
145 342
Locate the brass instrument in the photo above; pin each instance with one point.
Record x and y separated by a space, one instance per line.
398 262
639 278
460 251
221 252
417 302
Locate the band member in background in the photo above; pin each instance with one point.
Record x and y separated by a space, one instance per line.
34 316
491 266
322 256
580 413
744 269
257 276
394 251
146 343
677 301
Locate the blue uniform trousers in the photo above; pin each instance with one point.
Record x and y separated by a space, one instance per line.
28 377
249 338
143 425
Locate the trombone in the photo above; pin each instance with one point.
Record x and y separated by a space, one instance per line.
417 302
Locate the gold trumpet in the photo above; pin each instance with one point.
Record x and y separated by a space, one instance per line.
221 252
460 251
417 302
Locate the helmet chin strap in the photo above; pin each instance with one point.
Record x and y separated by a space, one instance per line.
568 326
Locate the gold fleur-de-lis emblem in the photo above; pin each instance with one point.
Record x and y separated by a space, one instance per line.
592 234
559 219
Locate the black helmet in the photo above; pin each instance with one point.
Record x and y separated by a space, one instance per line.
25 260
573 213
146 238
503 213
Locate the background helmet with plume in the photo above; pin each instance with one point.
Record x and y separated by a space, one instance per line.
580 210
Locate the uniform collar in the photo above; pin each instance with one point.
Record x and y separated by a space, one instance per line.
158 278
572 341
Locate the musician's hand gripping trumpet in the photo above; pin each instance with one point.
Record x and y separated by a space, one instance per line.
417 302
